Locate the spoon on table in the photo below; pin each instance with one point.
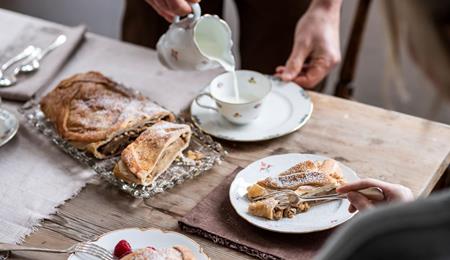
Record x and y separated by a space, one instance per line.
32 63
5 81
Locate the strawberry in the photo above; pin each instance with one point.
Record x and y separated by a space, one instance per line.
122 249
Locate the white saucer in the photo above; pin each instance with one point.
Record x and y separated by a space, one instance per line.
8 126
286 109
319 217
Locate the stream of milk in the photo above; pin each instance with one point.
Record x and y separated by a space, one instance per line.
218 52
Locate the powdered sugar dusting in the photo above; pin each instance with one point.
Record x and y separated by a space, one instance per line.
139 108
101 112
159 254
302 179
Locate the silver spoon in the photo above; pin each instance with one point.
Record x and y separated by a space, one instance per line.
33 63
6 81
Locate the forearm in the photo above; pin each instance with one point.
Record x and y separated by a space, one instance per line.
326 5
330 8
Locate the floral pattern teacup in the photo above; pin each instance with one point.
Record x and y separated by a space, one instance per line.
253 88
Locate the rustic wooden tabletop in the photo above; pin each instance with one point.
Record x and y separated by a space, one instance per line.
374 142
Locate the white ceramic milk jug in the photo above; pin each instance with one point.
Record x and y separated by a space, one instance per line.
196 43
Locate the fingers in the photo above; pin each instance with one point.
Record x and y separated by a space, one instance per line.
362 184
313 75
295 63
358 201
170 8
351 208
307 75
179 7
162 9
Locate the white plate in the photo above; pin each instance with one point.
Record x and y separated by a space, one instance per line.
8 126
286 109
140 238
319 217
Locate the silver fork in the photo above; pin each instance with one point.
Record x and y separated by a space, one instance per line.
373 193
82 247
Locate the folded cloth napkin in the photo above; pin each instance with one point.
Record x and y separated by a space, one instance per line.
39 36
214 218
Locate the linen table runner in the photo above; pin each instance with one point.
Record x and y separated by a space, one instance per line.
35 178
38 35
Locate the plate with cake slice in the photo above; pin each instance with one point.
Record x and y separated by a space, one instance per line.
254 193
136 243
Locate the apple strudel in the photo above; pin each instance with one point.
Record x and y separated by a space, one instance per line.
306 178
94 114
152 152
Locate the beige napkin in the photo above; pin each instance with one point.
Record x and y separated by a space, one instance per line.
40 37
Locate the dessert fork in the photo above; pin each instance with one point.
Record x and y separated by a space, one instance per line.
293 198
82 247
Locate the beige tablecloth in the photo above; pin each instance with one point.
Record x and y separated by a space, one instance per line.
35 176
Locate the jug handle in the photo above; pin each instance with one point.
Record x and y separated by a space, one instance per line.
196 11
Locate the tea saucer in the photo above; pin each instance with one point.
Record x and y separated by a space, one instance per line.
8 126
287 108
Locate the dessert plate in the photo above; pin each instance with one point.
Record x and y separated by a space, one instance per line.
8 126
140 238
318 217
287 108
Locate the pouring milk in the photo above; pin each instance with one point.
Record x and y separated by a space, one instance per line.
198 42
220 53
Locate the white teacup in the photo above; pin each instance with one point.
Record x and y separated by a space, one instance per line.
253 89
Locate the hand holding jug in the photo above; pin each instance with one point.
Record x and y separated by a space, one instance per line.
196 42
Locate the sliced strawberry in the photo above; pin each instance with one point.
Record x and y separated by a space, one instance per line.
122 249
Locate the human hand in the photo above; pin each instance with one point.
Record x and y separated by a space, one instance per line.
316 47
171 8
392 192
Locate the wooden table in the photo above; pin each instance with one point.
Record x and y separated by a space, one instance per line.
374 142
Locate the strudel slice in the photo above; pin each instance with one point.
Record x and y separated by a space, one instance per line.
95 114
152 152
306 179
171 253
306 175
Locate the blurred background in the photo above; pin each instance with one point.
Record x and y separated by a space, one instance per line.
104 17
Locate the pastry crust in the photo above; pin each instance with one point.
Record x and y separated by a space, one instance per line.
172 253
264 208
95 114
186 253
152 152
306 174
306 179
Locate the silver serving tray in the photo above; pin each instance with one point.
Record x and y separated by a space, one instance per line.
182 168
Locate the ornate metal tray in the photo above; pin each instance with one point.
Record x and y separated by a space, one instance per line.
182 168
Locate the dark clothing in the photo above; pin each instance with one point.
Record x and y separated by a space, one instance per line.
417 230
266 28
